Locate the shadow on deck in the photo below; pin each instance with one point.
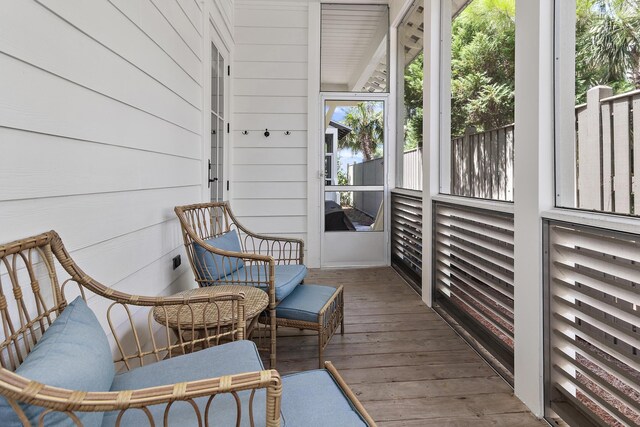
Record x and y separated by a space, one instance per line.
407 366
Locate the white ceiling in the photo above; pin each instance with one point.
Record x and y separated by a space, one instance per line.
354 44
351 35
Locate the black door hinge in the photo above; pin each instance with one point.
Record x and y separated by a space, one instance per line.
227 185
228 70
228 128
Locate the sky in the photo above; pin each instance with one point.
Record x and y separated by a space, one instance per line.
346 156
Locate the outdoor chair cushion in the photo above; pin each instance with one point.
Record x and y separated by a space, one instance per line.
227 359
310 399
313 399
288 276
211 266
73 353
305 302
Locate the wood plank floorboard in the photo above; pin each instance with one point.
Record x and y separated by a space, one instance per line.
405 364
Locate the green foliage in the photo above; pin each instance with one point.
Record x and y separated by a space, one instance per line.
483 66
367 130
342 175
483 62
346 199
607 45
413 81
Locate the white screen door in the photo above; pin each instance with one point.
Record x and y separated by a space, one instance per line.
354 156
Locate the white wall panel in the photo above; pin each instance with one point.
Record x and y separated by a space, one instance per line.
35 100
271 104
276 139
275 53
268 36
46 46
179 21
191 8
270 190
252 121
271 70
271 207
270 87
54 166
114 260
274 173
270 92
101 131
270 156
99 216
222 18
273 17
102 21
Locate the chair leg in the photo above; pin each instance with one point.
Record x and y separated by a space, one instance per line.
320 350
272 357
342 318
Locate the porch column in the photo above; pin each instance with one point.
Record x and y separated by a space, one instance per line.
534 190
431 132
315 134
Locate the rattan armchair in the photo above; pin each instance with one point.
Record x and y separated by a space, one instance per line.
32 297
259 254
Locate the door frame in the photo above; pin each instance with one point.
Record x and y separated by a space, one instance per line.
387 157
225 51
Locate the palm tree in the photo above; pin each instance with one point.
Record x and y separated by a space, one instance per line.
367 129
615 40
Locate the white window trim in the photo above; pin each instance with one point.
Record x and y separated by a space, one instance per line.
624 224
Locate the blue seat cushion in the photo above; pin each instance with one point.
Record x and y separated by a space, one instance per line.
288 276
305 302
227 359
211 266
73 353
310 399
313 399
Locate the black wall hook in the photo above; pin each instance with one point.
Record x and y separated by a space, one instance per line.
245 132
266 133
286 132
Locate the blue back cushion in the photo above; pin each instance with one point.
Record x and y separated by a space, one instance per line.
211 266
73 353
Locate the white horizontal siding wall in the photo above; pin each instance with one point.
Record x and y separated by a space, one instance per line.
101 130
269 183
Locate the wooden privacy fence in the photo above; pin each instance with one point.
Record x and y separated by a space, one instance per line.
607 153
412 169
608 150
482 164
370 172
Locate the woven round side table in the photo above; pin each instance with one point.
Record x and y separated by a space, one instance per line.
210 317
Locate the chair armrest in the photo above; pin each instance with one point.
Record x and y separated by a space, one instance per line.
283 250
215 332
16 388
349 394
85 281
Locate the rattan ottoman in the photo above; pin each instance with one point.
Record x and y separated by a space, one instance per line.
315 307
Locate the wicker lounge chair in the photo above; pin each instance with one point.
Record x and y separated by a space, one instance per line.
56 365
223 252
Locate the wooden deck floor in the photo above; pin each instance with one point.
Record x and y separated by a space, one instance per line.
407 366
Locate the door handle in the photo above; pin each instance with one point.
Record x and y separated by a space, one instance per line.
210 180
